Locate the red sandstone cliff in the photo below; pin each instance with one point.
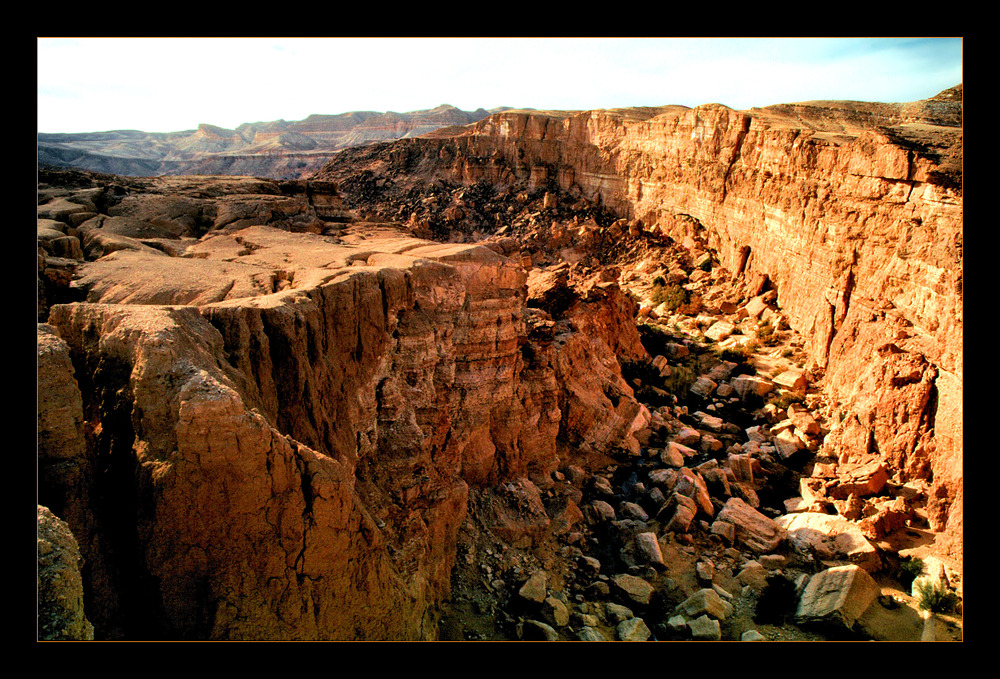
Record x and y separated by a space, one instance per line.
273 436
851 211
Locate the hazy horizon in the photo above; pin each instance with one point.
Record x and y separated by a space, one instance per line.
175 84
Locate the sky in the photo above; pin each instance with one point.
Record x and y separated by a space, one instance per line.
175 84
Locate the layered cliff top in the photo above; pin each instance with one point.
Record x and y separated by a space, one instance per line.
210 148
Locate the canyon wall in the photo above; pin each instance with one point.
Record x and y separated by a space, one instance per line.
264 433
851 212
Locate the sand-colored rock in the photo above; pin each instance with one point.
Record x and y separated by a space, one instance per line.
837 596
752 529
61 616
829 537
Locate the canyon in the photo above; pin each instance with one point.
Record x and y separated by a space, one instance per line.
612 374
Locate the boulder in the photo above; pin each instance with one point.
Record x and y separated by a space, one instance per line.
803 420
675 449
705 601
751 385
555 611
720 330
687 436
692 485
752 529
535 630
634 629
648 548
755 307
829 537
753 575
600 511
705 628
792 379
634 588
534 588
724 530
862 480
664 477
672 455
617 613
682 511
837 596
630 510
590 634
710 422
703 387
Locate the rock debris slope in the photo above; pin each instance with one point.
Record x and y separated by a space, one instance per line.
602 375
850 212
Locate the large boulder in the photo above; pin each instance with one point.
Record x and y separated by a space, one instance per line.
753 529
829 537
837 597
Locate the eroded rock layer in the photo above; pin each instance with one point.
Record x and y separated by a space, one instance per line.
272 433
851 212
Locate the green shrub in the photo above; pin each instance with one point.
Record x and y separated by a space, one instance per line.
679 380
674 295
783 400
659 282
912 567
766 334
935 597
737 354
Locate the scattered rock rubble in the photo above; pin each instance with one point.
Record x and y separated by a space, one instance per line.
732 522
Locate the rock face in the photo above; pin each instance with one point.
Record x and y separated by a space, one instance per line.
60 584
850 212
277 430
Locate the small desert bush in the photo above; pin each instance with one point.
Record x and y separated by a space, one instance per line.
737 354
783 400
766 334
674 295
911 568
679 380
935 597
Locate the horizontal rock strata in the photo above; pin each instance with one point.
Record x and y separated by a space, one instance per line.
851 212
278 431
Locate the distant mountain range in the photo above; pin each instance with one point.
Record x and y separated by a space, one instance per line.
278 149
